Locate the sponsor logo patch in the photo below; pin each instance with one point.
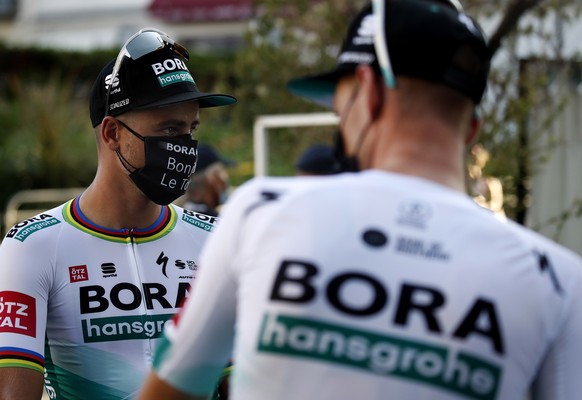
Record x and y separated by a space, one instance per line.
192 266
78 273
420 248
201 221
414 213
124 328
175 77
108 270
24 229
412 360
17 313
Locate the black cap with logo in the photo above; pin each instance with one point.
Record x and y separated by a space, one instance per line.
357 48
426 39
157 79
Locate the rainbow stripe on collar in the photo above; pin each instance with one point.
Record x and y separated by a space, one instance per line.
162 226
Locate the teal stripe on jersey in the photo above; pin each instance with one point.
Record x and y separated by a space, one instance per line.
74 387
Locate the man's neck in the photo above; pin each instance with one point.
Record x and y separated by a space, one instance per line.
118 209
422 148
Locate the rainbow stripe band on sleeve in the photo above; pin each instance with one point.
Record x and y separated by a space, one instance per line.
16 357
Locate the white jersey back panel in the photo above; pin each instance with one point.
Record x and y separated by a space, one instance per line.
374 286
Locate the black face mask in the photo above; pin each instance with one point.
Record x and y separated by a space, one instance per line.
344 162
169 163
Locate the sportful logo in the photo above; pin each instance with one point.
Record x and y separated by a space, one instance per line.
113 85
417 361
364 37
108 270
366 30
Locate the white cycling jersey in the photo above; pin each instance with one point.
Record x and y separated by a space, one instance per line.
372 286
99 297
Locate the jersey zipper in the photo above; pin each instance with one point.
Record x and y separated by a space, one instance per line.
148 349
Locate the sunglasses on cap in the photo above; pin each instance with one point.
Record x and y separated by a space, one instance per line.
144 42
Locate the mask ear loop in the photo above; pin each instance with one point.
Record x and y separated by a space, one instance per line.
123 160
350 163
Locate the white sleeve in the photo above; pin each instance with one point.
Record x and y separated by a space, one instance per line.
559 374
24 288
198 342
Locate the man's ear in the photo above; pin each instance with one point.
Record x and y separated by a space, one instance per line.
372 87
110 133
473 130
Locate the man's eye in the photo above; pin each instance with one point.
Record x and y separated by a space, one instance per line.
172 131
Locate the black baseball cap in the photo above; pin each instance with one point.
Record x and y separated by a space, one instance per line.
356 49
426 39
158 78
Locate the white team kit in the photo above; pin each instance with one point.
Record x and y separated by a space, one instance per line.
372 286
102 295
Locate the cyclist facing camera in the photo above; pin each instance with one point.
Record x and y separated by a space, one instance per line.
391 282
85 288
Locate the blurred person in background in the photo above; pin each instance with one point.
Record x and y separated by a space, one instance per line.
209 186
317 159
86 287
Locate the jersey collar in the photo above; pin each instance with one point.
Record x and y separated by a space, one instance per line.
161 227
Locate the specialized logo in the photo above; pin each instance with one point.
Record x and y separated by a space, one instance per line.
124 328
24 229
108 270
413 360
17 313
355 57
201 221
163 261
78 273
118 104
414 213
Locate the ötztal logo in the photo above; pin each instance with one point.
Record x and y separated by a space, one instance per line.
78 273
17 313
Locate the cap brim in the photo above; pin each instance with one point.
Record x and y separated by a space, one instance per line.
206 100
319 89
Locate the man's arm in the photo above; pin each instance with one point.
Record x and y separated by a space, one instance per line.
20 384
155 389
559 373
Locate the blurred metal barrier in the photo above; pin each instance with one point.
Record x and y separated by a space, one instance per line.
28 203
